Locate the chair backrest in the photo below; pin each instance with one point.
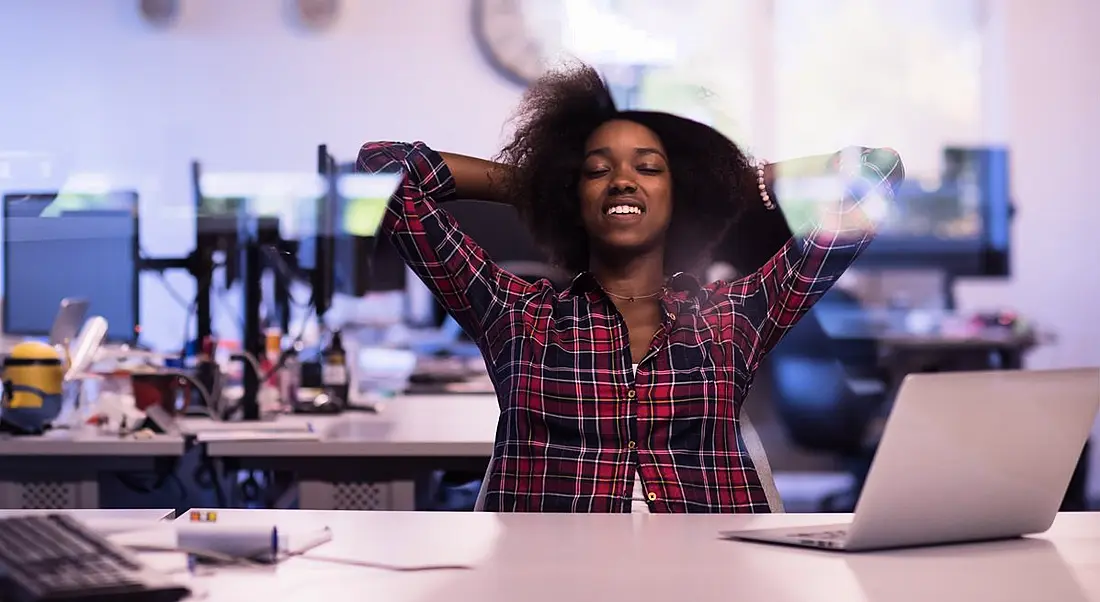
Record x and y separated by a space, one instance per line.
753 239
498 228
812 395
479 504
537 270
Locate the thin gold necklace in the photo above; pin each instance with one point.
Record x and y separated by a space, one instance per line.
631 299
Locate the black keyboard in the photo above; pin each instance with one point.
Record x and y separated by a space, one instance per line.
55 557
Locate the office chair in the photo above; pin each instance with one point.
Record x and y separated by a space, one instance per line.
533 271
458 490
822 407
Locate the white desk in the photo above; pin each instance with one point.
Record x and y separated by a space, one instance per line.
149 514
61 469
371 461
555 558
414 425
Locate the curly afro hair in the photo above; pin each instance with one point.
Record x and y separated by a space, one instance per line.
713 181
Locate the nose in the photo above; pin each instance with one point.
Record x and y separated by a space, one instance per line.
622 185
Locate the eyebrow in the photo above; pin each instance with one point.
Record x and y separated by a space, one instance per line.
640 151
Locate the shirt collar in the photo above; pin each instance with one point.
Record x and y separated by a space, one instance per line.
682 286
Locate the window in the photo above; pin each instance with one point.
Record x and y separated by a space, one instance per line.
690 57
879 73
790 78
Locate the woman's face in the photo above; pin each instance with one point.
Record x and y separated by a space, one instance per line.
625 188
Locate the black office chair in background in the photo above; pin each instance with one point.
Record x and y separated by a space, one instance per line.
824 406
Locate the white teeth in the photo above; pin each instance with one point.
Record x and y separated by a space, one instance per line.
623 209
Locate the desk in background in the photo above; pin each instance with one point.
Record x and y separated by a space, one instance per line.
553 557
370 462
62 469
908 343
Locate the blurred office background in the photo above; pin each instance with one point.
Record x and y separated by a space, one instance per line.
990 102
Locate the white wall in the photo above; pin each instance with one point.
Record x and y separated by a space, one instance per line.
236 86
1053 120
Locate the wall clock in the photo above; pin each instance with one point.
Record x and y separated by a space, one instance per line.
502 35
159 13
315 14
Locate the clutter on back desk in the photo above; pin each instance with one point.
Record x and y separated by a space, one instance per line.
128 392
1008 320
325 385
32 389
444 369
994 324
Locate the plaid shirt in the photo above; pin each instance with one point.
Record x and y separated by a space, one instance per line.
575 423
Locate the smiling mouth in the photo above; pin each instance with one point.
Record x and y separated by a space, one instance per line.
624 209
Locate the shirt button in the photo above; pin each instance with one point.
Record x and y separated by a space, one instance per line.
631 394
652 496
630 445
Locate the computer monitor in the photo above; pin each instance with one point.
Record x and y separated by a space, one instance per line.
60 245
230 203
351 259
364 261
274 212
959 227
269 208
322 245
361 201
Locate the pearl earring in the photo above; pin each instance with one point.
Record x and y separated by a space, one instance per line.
762 185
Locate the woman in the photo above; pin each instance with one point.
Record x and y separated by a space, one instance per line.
623 391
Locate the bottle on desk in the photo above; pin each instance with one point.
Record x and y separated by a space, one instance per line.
334 371
290 379
269 399
207 371
273 349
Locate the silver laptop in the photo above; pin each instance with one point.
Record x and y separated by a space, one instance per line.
965 456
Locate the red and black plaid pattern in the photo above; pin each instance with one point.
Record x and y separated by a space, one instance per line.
575 423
